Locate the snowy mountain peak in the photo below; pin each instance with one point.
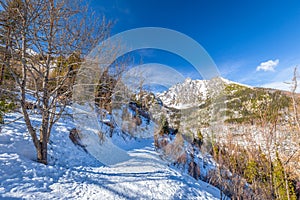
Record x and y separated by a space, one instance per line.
188 80
186 94
193 92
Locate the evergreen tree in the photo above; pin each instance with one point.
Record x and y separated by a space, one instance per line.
199 139
164 125
283 187
251 172
5 107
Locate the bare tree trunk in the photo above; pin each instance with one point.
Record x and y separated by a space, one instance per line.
6 58
23 84
294 88
44 135
2 72
3 67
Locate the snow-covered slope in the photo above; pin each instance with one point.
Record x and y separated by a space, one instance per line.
74 174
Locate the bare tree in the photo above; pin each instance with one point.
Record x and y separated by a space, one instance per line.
294 87
47 30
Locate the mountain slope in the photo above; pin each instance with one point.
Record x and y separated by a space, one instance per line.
236 118
193 93
186 94
221 100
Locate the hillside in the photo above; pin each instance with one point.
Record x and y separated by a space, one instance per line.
240 125
73 173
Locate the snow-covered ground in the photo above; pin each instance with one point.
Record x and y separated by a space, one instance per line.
74 174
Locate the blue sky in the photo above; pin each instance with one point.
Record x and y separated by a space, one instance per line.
252 42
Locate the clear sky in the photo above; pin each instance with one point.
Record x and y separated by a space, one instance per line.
255 42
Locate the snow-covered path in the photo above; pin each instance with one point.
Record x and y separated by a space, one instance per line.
74 174
142 177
